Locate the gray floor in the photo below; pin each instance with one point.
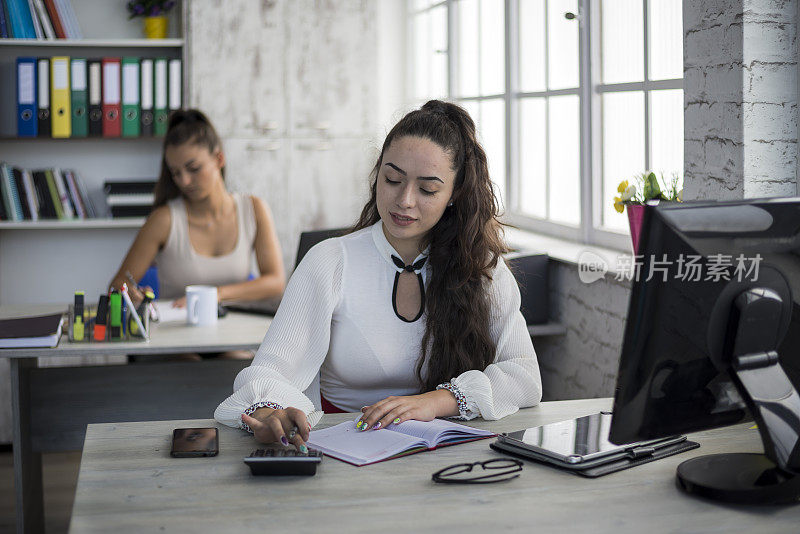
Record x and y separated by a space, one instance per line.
60 477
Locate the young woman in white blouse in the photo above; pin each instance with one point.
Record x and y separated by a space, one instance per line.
412 315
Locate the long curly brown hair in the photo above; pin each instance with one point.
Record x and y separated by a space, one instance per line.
464 247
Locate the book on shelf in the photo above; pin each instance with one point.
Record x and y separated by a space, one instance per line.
31 195
4 24
129 198
96 97
30 331
52 12
38 19
44 19
345 442
20 18
37 24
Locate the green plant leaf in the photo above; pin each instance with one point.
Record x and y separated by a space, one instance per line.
651 188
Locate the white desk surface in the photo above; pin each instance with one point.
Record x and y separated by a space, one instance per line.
129 483
235 331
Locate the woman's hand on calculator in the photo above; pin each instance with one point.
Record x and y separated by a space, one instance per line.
286 426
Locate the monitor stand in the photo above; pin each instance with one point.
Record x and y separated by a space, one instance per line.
772 477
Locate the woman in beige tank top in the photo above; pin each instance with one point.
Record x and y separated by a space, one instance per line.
198 232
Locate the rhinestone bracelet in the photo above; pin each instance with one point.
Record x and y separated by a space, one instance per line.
461 399
255 407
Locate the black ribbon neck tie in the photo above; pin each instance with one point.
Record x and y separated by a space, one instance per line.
411 267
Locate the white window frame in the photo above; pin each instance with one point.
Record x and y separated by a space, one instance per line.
589 92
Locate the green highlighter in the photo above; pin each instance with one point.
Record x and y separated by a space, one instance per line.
77 317
115 315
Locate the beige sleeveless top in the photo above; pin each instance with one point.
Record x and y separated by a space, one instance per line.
179 265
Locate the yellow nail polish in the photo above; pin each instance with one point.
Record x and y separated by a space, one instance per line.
396 420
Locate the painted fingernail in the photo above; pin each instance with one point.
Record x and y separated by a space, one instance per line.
396 420
358 424
303 449
284 440
376 426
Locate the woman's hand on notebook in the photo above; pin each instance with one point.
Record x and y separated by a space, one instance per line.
286 426
395 410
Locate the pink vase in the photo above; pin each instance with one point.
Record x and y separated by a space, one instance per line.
635 217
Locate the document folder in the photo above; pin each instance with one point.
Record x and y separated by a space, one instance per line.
160 97
175 85
130 97
43 121
111 97
60 97
95 98
80 119
146 94
26 97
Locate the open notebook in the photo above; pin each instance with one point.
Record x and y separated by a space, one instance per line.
347 443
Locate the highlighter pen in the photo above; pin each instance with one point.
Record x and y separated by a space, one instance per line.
102 319
132 311
115 315
77 317
142 309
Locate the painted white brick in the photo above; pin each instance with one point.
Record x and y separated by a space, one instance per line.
740 116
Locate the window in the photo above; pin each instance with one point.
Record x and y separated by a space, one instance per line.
570 97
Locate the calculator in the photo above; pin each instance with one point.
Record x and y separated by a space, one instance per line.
283 462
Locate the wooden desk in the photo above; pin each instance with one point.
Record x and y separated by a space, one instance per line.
52 405
129 483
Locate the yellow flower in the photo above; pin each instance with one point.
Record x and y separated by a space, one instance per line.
623 185
618 205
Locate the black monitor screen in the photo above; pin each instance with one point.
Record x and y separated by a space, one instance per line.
694 260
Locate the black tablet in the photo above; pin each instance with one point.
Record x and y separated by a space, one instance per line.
574 441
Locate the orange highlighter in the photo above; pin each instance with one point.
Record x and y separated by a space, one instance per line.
102 319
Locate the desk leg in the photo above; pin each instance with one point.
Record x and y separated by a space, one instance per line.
27 463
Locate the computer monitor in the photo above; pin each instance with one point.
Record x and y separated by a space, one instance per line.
270 306
713 330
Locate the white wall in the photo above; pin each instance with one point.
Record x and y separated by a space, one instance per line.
740 96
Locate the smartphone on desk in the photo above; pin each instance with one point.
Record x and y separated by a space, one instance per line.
194 442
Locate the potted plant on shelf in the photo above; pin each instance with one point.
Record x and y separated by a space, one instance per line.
649 191
154 14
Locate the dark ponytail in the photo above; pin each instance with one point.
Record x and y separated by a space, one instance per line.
185 126
464 247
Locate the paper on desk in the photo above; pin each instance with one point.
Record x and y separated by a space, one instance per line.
169 314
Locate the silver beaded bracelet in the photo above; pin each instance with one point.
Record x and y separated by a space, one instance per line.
461 399
253 408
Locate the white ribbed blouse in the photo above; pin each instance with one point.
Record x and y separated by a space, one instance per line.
336 322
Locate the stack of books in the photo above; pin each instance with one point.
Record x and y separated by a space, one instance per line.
129 198
63 96
38 19
30 195
30 331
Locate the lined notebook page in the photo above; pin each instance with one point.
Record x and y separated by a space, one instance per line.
346 442
432 431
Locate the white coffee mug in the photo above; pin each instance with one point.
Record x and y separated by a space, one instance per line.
201 305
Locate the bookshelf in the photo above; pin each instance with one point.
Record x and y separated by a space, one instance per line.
47 260
128 222
93 43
